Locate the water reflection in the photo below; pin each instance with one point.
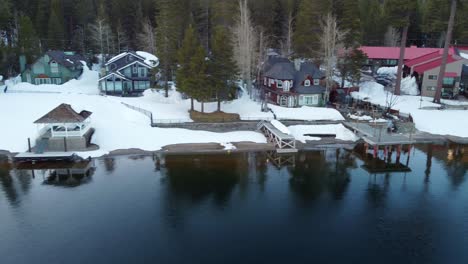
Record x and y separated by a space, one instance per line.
321 171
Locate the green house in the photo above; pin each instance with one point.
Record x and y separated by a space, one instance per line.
54 67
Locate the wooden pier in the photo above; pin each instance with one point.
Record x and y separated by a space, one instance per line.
378 136
284 143
48 156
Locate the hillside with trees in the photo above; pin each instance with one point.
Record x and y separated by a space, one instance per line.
91 27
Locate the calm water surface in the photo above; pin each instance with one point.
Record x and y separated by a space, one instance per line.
332 206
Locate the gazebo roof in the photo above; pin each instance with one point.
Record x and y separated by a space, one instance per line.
63 113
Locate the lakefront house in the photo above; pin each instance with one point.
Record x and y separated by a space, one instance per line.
128 73
293 84
54 67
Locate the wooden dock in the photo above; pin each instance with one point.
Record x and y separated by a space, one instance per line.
47 156
378 136
284 143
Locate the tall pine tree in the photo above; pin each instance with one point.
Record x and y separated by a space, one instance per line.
56 30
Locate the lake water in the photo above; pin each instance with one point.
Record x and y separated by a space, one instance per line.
330 206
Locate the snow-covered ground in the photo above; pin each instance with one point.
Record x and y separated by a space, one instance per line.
117 127
342 133
442 122
86 84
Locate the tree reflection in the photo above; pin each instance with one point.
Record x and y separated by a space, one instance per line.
194 178
321 171
109 164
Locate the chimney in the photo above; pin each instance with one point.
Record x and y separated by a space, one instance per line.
22 62
297 64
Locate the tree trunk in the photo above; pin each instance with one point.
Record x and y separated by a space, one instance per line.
192 108
448 39
202 107
404 37
166 84
219 103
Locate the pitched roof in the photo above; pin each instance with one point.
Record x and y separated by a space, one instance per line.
393 53
63 113
433 64
310 69
423 59
313 89
282 71
67 59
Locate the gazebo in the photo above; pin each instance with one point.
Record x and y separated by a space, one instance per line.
64 129
63 121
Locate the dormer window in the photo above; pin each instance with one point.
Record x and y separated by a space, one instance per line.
316 82
135 68
279 84
265 81
307 83
54 67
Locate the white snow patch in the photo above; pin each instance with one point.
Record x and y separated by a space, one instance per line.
342 133
228 146
87 83
388 70
306 113
280 126
150 59
409 86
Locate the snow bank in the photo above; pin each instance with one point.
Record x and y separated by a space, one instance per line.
388 70
306 113
432 121
278 125
409 86
360 118
150 59
117 127
87 83
341 132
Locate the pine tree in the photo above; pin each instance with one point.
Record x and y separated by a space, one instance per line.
222 67
28 41
351 22
56 30
373 26
306 38
398 13
198 81
184 57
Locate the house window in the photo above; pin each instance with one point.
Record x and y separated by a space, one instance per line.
42 81
432 77
265 81
316 82
286 86
310 99
135 69
307 83
279 84
270 82
142 72
449 81
54 67
57 81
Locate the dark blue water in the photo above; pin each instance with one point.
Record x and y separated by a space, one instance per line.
322 207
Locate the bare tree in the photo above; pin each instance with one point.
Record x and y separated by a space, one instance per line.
391 100
99 34
286 44
121 38
330 41
147 37
245 45
448 38
392 37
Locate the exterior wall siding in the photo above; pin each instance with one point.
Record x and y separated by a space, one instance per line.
428 86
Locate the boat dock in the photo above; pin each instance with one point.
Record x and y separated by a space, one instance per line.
284 143
378 135
48 156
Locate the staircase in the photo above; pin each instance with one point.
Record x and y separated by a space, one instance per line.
41 145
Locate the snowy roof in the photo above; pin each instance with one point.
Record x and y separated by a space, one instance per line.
313 89
67 59
145 57
63 113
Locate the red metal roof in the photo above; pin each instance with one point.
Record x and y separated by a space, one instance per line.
423 59
432 64
393 53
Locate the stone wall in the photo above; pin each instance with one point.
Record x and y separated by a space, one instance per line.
237 126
